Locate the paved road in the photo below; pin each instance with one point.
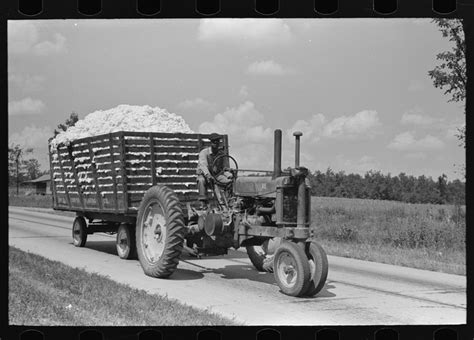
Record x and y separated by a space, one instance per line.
356 292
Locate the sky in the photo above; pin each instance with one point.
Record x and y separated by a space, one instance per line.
358 89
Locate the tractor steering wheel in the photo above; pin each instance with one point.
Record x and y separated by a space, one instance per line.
234 171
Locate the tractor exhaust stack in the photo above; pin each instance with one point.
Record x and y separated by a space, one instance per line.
277 155
297 135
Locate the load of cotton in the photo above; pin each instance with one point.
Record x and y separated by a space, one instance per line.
123 118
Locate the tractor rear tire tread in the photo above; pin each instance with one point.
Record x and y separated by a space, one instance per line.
175 232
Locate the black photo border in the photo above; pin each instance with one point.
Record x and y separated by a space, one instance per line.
68 9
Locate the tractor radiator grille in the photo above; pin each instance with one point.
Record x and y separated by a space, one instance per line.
290 205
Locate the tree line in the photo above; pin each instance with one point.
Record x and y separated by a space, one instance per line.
375 185
21 166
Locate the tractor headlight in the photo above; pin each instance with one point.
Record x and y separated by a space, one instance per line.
287 181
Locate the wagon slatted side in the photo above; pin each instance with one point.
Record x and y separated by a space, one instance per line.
168 159
80 173
110 173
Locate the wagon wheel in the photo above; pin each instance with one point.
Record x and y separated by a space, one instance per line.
261 255
79 231
291 269
125 243
160 232
318 264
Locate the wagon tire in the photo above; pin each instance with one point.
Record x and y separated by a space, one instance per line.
160 232
318 262
79 231
125 242
291 269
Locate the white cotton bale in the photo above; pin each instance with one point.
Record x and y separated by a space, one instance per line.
123 118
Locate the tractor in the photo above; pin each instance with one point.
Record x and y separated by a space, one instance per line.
269 215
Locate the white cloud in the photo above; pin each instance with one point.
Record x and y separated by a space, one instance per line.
250 32
243 92
250 141
47 47
32 136
198 104
36 138
25 106
26 82
416 155
311 129
439 127
24 37
268 67
363 124
406 142
244 121
415 117
360 166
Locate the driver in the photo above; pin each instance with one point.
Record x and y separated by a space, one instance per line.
205 174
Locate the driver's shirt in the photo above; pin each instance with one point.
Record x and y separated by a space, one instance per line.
206 158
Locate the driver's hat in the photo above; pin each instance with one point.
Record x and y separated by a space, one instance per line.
214 137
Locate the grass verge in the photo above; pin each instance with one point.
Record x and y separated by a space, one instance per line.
49 293
38 201
453 262
424 236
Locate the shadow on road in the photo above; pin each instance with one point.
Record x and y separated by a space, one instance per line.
102 246
325 291
250 273
242 271
186 274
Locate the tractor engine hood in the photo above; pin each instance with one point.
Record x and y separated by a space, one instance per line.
263 186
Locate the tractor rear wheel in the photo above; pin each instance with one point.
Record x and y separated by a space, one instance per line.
291 269
318 264
79 231
125 243
160 232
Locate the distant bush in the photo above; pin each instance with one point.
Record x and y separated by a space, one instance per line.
375 185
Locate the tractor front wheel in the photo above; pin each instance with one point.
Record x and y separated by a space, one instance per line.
318 264
160 232
125 243
79 232
291 269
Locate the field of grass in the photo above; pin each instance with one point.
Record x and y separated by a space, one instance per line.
424 236
48 293
40 201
